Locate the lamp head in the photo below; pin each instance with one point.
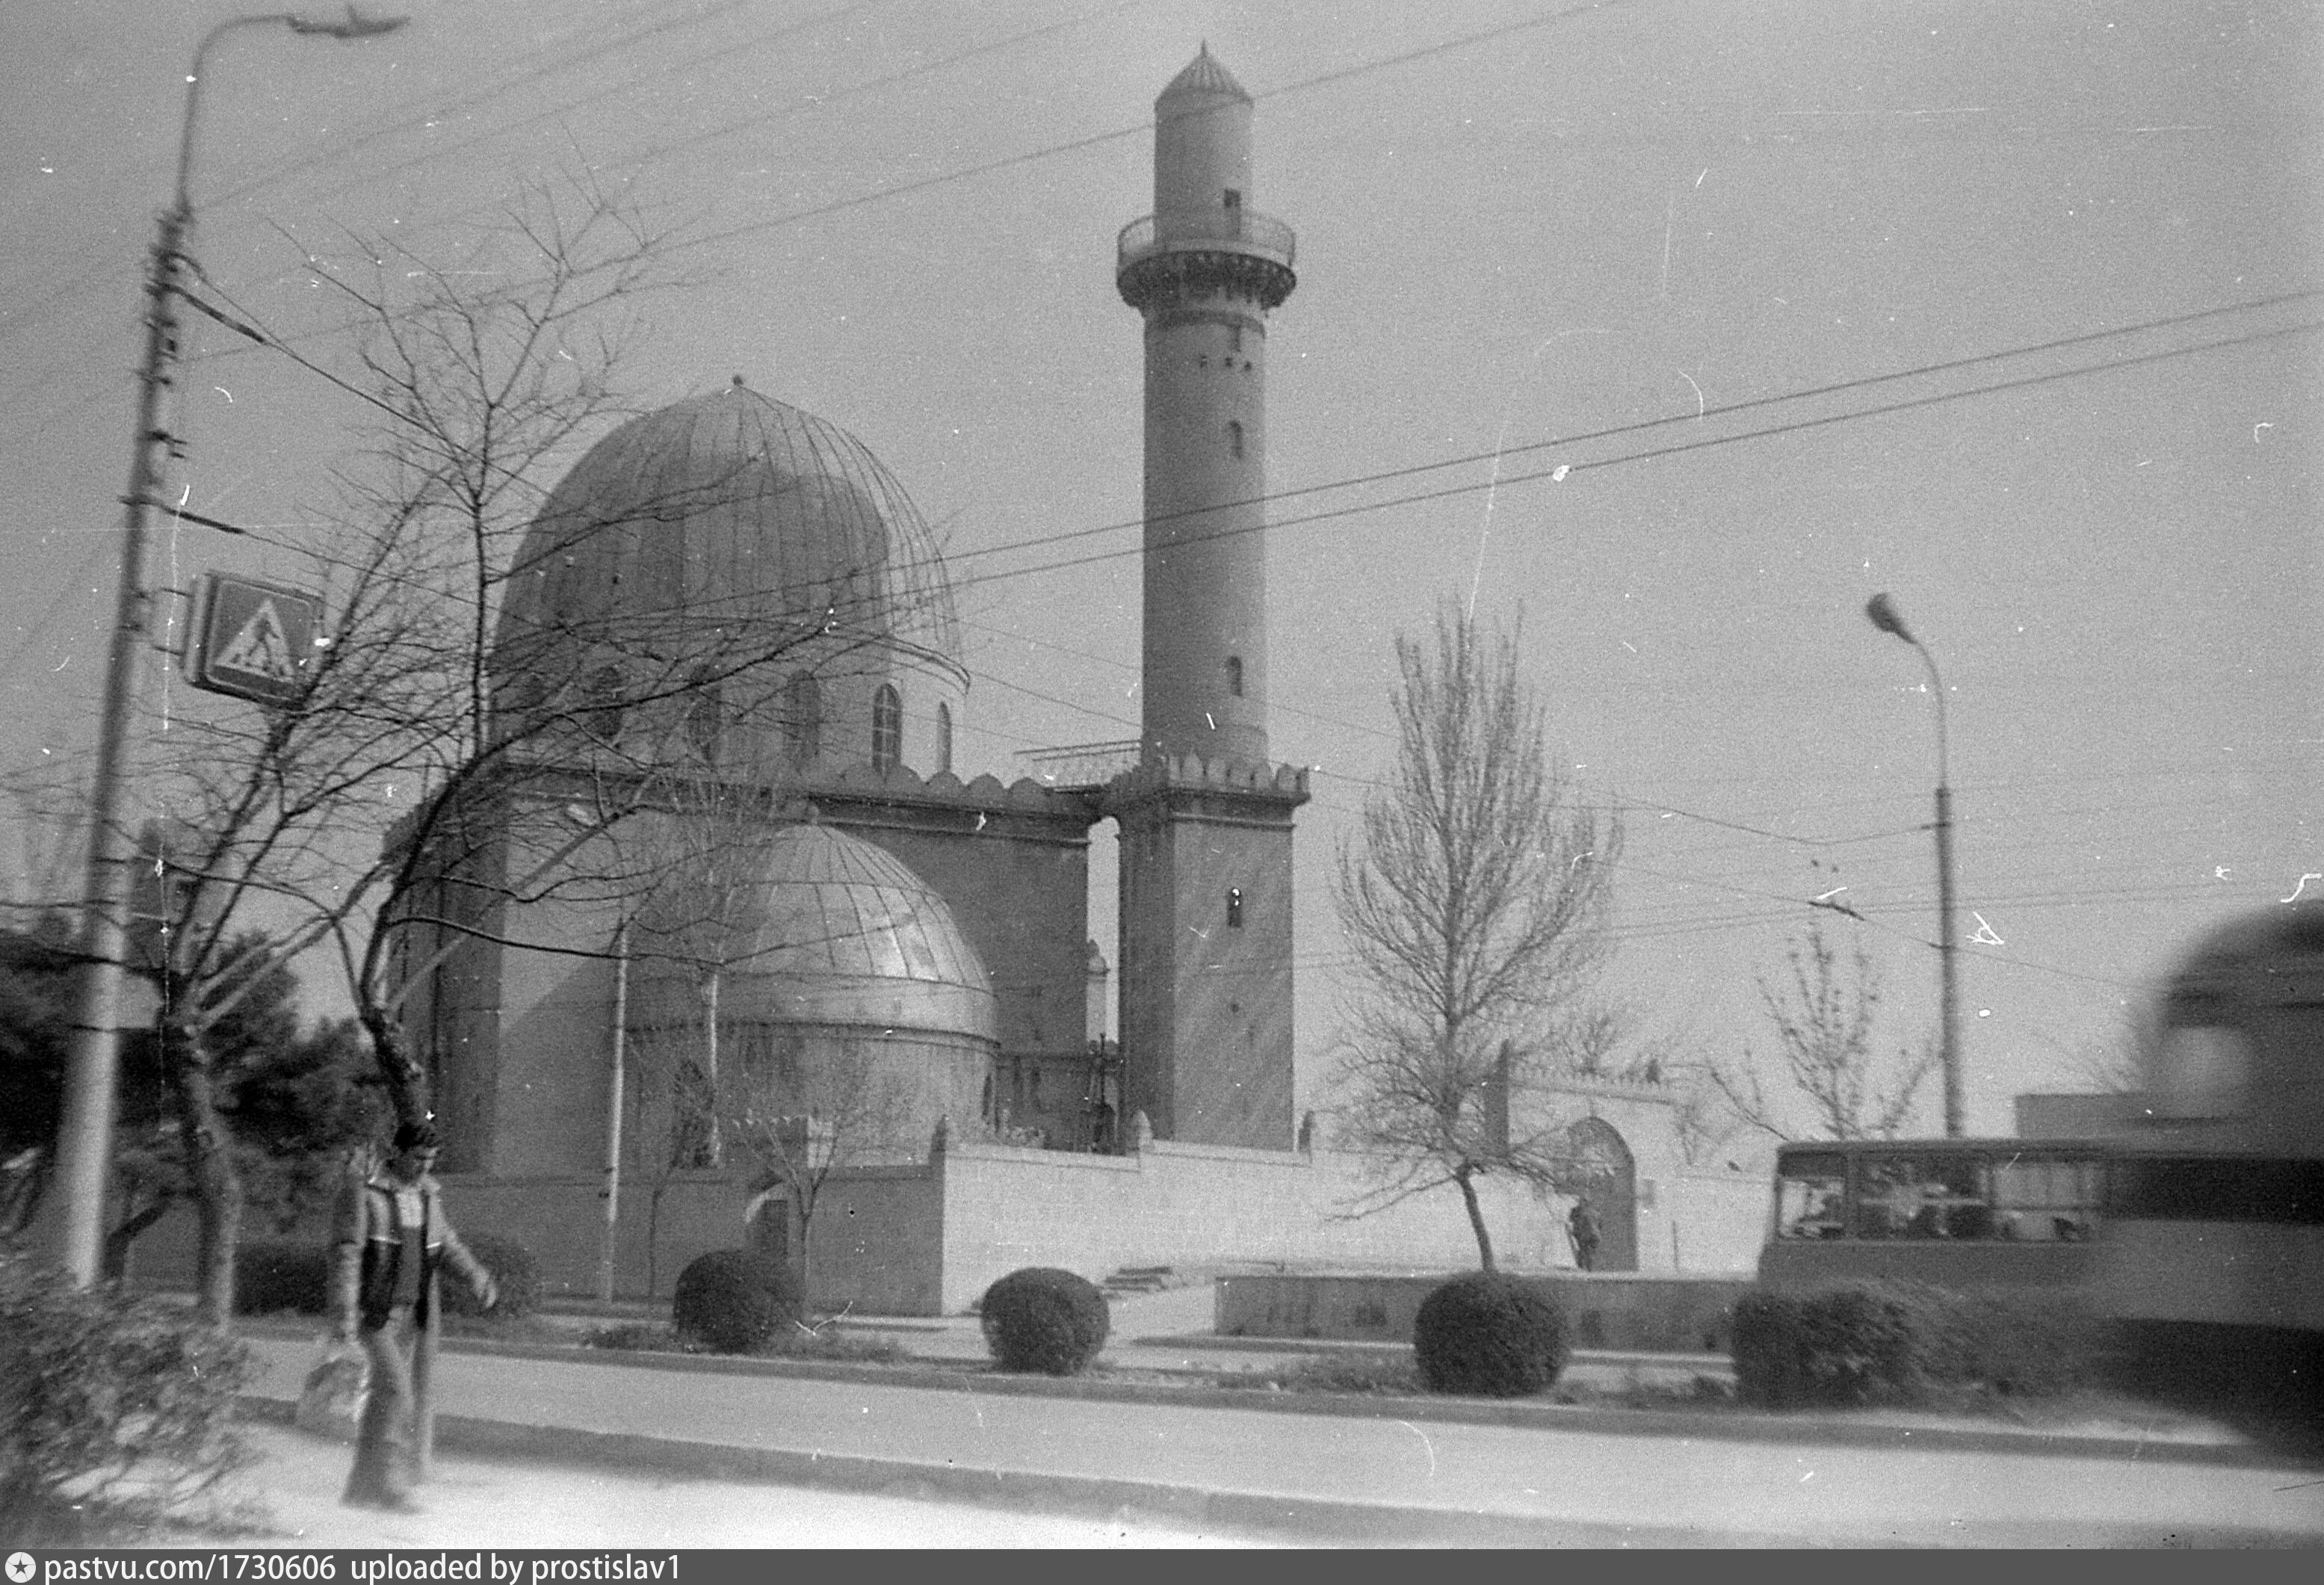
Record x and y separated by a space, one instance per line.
1883 613
356 26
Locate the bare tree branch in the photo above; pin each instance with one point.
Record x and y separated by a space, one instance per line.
1473 897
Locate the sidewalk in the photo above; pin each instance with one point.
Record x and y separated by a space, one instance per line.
1343 1470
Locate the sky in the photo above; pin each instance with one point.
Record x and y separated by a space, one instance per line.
1671 332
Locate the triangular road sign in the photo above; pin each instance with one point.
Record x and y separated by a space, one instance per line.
252 639
260 648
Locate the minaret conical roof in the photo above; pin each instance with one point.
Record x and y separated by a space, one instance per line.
1204 74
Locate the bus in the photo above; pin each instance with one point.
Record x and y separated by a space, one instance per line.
1959 1213
2214 1265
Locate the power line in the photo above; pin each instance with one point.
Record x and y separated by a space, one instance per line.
1095 140
82 281
1565 470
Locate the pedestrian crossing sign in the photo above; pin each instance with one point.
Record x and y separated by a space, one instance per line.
253 639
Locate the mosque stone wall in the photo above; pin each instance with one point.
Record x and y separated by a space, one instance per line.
555 1043
1205 1205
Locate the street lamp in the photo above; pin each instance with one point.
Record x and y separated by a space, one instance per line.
1882 610
85 1127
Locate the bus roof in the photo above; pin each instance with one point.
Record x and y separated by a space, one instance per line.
2289 928
2002 1145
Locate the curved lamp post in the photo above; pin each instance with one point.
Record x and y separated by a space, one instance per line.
85 1127
1882 610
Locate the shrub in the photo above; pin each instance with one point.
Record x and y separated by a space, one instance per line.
1873 1342
733 1301
115 1413
1489 1335
1361 1374
1042 1318
632 1337
2019 1344
275 1277
515 1270
1835 1346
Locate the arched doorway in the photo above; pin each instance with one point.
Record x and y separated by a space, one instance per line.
1608 1177
767 1223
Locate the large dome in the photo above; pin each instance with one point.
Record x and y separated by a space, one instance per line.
730 507
824 929
701 566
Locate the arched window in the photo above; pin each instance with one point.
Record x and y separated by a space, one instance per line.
600 715
1234 674
1234 436
705 713
887 728
693 1140
803 717
943 737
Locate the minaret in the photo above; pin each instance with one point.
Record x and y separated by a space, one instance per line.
1204 269
1206 1030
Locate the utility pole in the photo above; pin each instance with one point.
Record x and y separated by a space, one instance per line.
1881 611
85 1127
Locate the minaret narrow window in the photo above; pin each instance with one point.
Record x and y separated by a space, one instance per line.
1234 436
943 737
887 728
1234 907
1231 200
1234 674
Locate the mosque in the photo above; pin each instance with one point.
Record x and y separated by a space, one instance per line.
877 923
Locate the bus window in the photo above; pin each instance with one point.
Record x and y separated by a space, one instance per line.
1924 1197
2047 1200
1810 1192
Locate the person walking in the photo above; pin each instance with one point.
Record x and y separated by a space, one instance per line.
1582 1225
390 1235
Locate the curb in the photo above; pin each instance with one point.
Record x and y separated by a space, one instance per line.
1299 1520
1736 1426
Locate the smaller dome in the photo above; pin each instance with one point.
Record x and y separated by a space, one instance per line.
829 930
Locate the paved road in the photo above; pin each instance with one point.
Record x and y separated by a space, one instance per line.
535 1503
1371 1481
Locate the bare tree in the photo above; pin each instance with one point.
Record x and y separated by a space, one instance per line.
427 773
804 1119
1472 899
1825 1018
1701 1116
2116 1063
518 736
266 804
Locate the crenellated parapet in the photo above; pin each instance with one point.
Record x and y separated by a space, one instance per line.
1225 780
986 792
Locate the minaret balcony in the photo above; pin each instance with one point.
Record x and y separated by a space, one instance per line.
1202 231
1161 256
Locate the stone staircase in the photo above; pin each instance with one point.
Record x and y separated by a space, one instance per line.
1143 1279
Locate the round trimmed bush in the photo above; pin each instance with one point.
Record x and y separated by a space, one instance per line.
1487 1335
1044 1320
515 1270
269 1278
733 1301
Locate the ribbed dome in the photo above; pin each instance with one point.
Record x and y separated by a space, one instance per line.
1204 74
829 930
722 510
